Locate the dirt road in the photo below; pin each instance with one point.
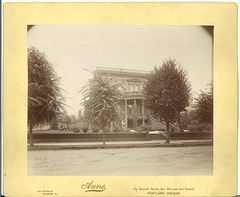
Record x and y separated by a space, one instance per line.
136 161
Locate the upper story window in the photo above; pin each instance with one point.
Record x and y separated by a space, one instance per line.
131 88
134 88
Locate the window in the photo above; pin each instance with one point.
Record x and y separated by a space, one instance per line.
131 88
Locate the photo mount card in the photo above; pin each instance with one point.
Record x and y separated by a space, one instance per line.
81 39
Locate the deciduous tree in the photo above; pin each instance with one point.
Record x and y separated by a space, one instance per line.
204 106
45 99
167 92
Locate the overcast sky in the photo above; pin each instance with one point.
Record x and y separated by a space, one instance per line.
74 47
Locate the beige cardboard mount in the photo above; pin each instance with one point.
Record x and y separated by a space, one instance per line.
223 16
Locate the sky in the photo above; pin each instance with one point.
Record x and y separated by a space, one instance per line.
73 48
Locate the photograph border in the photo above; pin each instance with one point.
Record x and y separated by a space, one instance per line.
223 16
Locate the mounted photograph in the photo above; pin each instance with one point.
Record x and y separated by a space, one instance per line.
120 100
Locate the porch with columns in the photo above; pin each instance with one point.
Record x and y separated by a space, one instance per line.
136 112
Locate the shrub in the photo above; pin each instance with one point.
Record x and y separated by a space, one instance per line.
116 129
143 128
61 128
194 122
85 129
76 130
95 129
192 128
146 128
106 129
139 129
200 127
206 127
54 124
126 130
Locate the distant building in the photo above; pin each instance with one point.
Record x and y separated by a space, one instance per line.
132 82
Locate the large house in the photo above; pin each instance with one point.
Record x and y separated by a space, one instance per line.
132 82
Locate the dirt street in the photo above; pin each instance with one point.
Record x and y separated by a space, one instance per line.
136 161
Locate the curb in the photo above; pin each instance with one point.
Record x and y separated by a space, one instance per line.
113 146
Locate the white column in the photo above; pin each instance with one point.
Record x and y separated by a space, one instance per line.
125 107
143 106
135 106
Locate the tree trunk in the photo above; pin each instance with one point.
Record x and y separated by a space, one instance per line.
212 135
30 133
168 133
104 138
179 121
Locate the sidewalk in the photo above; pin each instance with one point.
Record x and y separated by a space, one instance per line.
122 144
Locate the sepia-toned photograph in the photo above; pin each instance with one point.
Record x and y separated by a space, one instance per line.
120 100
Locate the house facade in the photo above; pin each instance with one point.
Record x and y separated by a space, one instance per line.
132 83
